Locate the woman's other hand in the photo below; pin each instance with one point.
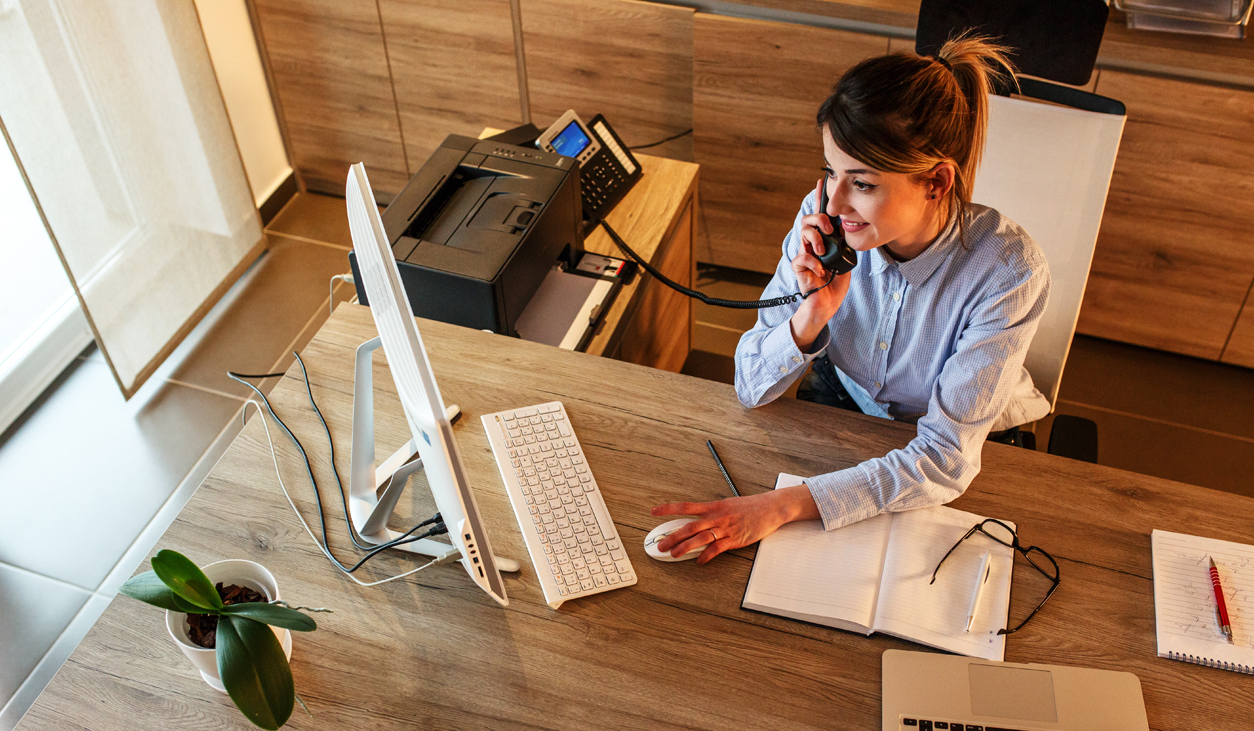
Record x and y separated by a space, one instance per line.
735 522
817 309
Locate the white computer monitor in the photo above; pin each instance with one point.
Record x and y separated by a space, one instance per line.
415 383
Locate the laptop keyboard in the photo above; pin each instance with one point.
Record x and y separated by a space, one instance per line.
923 724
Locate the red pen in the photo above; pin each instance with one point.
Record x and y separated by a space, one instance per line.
1219 600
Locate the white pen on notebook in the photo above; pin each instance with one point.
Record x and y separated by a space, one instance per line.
981 578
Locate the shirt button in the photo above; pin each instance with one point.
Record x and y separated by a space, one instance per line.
796 359
896 296
783 369
883 346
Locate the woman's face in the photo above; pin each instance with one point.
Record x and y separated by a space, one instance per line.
898 210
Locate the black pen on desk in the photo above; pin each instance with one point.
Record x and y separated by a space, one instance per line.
721 468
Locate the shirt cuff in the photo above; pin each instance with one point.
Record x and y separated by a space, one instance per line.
782 356
843 497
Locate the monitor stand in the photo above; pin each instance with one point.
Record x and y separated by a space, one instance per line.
373 491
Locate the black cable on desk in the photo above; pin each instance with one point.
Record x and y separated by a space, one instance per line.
404 538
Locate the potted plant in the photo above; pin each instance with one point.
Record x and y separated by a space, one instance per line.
235 633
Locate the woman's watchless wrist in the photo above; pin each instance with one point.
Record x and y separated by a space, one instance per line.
796 503
805 328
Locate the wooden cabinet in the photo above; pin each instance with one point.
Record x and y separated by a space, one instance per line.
1175 256
660 333
453 70
757 86
329 76
630 61
1240 348
649 323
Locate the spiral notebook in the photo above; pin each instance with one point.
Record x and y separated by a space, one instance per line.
874 576
1184 603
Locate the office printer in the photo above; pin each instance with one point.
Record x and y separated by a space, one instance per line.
479 227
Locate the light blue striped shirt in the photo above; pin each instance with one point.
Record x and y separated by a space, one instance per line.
938 340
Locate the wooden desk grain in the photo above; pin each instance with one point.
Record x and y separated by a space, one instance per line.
675 650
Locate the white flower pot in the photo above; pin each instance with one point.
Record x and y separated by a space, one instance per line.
234 571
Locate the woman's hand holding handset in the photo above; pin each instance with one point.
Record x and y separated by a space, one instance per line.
815 311
736 521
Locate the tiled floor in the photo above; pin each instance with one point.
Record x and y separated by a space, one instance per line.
89 482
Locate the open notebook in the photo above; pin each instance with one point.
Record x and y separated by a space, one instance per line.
1184 602
873 576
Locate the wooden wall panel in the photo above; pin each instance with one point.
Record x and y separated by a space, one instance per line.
453 69
630 61
757 86
330 77
660 334
1240 348
1175 256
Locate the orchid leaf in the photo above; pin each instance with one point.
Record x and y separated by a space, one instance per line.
185 579
273 615
254 671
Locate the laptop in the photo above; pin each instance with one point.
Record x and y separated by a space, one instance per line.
924 691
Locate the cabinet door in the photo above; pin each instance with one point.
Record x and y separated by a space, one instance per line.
1240 348
757 87
1175 255
630 61
660 333
453 69
329 73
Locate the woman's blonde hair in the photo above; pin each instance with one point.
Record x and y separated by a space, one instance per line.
905 113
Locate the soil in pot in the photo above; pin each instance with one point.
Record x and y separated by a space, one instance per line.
203 628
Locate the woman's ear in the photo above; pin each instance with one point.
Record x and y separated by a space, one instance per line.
939 180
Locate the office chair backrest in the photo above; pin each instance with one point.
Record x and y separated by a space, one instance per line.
1047 167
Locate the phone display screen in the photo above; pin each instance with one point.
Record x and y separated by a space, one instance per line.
570 141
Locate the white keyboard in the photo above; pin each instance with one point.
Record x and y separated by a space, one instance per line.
569 533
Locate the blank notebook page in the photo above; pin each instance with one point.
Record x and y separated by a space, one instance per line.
1184 602
803 569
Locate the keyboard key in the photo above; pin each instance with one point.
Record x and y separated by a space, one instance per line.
942 724
909 722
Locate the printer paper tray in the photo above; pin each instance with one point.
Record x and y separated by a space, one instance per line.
566 309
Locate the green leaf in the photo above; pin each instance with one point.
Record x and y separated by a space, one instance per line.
185 579
254 671
272 614
148 588
186 607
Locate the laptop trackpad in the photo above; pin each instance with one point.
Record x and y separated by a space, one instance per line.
1017 693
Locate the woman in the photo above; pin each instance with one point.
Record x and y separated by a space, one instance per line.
931 327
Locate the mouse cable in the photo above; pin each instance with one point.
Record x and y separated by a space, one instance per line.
326 551
716 302
309 470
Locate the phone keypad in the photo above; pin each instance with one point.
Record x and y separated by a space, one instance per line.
598 182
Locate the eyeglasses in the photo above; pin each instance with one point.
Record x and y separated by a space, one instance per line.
1004 535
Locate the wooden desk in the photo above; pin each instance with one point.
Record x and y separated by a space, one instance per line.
676 650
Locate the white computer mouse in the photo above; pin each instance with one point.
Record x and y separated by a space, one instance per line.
664 530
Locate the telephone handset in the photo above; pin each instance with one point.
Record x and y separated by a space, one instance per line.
607 168
838 256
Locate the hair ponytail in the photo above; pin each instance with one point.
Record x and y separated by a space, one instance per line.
905 113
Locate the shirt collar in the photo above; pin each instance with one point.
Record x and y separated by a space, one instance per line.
919 269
